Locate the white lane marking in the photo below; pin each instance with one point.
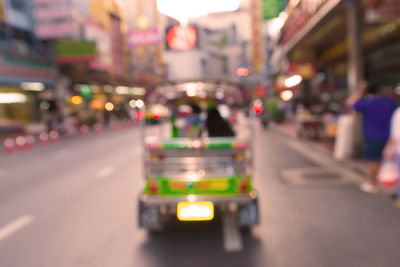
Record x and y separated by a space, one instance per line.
15 226
103 173
63 153
231 233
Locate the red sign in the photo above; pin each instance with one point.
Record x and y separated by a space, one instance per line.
182 37
242 72
260 91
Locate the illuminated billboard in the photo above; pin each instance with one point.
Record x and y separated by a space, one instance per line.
181 38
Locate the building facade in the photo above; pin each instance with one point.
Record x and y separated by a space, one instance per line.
26 66
344 41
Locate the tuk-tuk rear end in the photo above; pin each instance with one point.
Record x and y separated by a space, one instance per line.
192 179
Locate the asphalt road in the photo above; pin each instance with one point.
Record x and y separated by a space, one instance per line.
74 204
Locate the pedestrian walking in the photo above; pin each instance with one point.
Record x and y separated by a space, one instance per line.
392 149
376 110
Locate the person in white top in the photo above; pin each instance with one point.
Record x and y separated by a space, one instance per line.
392 148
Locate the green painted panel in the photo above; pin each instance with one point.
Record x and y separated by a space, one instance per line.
209 186
272 8
67 48
184 144
25 63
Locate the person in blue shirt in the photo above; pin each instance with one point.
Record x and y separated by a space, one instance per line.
194 122
376 111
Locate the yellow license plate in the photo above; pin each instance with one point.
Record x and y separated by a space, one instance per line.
195 211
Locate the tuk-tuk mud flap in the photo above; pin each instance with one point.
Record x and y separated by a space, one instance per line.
149 217
248 215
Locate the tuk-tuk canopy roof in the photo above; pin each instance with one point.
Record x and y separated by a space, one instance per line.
223 91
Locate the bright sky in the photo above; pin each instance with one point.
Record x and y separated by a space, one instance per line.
183 10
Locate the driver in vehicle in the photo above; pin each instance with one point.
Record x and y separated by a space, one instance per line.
217 126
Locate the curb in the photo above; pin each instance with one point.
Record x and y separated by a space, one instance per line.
349 163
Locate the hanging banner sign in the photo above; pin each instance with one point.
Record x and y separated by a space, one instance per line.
2 17
386 10
144 37
302 14
99 34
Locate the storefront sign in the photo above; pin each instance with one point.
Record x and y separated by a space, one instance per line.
307 70
53 1
385 10
335 52
71 51
99 34
45 14
17 70
55 19
272 8
181 38
144 37
2 18
300 16
257 44
56 30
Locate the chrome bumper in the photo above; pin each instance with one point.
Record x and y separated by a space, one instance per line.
240 199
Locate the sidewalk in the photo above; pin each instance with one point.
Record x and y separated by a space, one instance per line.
289 130
22 142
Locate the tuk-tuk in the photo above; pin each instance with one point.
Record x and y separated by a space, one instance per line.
192 179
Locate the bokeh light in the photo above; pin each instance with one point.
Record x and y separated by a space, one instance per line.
76 100
286 95
109 106
140 103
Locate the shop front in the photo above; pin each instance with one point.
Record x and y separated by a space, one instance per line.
22 79
348 41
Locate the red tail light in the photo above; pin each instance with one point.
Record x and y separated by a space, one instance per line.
153 187
257 109
244 186
157 157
